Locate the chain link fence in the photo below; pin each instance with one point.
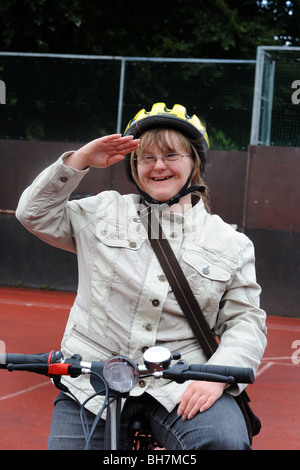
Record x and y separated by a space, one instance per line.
276 104
76 98
79 98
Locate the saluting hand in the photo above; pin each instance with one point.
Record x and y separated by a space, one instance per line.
102 152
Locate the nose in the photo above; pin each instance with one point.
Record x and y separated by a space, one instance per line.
160 163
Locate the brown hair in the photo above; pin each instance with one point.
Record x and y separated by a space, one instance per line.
165 139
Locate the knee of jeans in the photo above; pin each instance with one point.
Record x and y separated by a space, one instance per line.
229 442
224 441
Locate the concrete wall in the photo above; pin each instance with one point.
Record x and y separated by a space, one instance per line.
257 190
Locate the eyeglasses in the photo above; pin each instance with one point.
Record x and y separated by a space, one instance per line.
168 159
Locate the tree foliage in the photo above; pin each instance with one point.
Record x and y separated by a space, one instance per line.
160 28
51 99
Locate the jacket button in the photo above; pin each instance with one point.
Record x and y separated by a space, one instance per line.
148 327
63 179
142 383
155 302
132 244
144 349
161 277
205 270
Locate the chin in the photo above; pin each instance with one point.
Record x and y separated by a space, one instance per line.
161 197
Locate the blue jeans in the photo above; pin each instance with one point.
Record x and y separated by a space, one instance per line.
221 427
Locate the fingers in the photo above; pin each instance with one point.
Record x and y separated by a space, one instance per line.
197 405
116 147
103 152
114 159
191 404
199 397
127 146
118 142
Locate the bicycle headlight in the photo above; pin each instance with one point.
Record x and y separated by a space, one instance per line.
120 373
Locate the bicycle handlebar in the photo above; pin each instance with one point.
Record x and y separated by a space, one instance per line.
46 358
53 364
240 374
117 376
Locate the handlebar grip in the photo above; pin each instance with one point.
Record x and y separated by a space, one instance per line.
240 374
44 358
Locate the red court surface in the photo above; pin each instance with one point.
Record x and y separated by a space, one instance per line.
33 321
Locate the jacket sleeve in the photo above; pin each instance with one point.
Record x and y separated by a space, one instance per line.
43 206
240 323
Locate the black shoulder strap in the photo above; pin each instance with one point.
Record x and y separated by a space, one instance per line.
179 284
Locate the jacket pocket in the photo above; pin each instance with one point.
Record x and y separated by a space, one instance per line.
118 235
207 268
115 253
208 280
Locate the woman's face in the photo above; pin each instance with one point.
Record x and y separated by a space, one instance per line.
162 181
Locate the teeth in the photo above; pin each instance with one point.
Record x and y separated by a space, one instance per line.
162 179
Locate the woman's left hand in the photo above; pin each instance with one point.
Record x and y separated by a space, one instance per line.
199 396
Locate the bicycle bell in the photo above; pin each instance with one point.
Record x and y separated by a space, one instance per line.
120 373
157 358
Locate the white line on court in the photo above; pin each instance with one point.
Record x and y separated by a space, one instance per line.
35 304
263 369
30 389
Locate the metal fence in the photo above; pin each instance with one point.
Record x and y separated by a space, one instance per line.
76 98
276 103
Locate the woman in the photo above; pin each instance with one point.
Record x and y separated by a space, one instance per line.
124 304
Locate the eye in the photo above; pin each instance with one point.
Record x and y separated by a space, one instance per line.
172 157
147 159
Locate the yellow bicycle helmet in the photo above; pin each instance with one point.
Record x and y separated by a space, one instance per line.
176 118
161 116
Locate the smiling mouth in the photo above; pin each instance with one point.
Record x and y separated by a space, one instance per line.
162 178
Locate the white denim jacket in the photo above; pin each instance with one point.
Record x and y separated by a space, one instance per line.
124 303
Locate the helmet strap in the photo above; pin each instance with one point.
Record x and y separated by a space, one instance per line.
186 189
